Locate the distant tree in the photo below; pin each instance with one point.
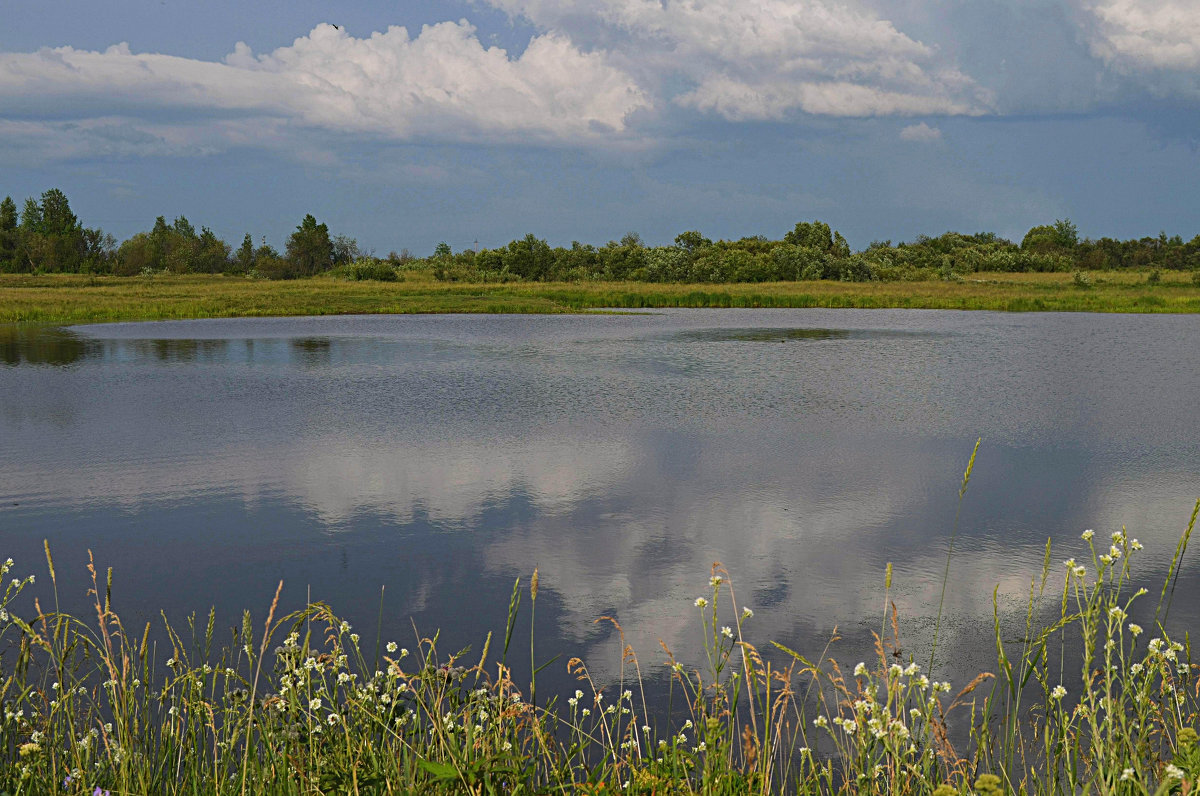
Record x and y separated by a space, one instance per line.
529 258
49 236
184 228
345 250
632 240
212 255
818 235
1061 235
8 234
243 261
691 240
135 256
268 263
309 249
442 250
57 218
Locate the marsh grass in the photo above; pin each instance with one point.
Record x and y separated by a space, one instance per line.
61 299
300 704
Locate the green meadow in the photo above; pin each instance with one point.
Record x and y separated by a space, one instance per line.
77 298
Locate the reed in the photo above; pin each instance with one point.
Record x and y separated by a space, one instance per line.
290 704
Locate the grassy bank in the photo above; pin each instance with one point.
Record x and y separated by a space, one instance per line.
300 704
63 299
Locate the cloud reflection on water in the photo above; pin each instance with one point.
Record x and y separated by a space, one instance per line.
624 456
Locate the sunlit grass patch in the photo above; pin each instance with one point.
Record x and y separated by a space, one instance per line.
80 299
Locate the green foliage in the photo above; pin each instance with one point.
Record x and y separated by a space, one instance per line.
368 270
296 704
309 249
46 236
1062 235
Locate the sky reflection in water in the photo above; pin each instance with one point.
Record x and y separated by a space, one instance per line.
622 455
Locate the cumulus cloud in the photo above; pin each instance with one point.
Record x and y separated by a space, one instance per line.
921 132
1147 34
442 83
770 58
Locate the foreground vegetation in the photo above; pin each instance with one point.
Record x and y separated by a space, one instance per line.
64 298
300 704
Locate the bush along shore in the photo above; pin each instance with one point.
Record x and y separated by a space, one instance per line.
45 236
299 704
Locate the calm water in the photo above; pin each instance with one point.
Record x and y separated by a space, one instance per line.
443 456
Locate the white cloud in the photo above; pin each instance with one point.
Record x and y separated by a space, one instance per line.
921 132
1147 34
764 59
442 84
738 100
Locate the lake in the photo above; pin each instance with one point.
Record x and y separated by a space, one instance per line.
441 457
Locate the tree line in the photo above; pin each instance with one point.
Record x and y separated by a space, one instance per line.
47 237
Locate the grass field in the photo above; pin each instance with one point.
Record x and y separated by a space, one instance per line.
63 299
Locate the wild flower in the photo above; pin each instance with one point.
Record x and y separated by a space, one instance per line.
1087 535
1058 692
1135 630
727 631
701 602
747 613
1172 771
391 646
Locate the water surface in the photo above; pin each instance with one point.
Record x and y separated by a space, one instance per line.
443 456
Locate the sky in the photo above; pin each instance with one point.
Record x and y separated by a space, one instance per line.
402 124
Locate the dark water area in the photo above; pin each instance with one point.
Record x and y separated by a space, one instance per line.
441 457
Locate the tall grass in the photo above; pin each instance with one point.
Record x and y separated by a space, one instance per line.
64 298
291 704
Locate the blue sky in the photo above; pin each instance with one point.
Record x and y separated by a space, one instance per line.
415 122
